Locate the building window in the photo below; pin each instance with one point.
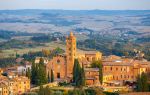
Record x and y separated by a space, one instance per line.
124 76
93 58
117 78
87 59
116 69
111 68
69 48
132 76
58 75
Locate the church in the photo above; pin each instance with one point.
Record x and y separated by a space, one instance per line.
62 65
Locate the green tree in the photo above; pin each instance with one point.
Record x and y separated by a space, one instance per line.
142 83
78 74
44 91
74 70
33 73
82 76
42 76
49 80
39 75
45 52
28 73
52 76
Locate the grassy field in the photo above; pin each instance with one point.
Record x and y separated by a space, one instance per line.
50 46
12 52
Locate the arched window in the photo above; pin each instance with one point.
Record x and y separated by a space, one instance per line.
58 61
116 69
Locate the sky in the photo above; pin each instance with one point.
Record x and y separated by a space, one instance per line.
76 4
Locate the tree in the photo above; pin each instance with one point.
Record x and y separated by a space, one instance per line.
33 73
74 70
39 75
52 76
42 76
82 76
142 83
49 80
28 73
98 64
78 74
45 52
44 91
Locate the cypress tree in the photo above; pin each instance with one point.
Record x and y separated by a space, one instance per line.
28 73
82 76
49 80
38 73
74 70
139 83
78 74
42 77
142 83
52 76
33 73
101 73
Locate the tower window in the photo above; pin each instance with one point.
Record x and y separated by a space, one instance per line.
58 61
87 59
58 75
116 69
69 48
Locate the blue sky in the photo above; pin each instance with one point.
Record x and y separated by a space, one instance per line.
76 4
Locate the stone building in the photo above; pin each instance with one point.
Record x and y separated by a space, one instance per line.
14 85
123 69
3 89
62 65
115 69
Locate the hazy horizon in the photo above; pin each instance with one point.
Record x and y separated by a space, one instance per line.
76 5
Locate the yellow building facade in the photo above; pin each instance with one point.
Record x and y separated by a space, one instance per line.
14 86
4 89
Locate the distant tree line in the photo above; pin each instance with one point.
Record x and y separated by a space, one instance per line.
47 38
4 62
116 46
44 53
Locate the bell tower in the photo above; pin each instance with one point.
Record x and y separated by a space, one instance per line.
70 53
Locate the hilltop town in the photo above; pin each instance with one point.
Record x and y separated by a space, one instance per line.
64 71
